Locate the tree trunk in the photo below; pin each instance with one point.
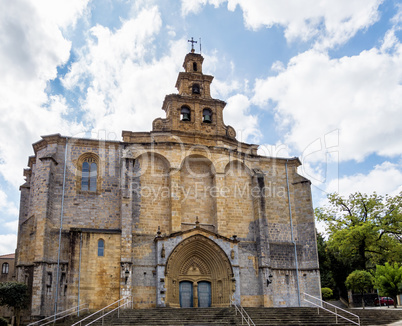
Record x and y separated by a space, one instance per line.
362 256
17 317
395 301
363 300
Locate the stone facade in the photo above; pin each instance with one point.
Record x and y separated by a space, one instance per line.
7 263
183 207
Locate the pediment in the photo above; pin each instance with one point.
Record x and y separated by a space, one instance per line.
196 230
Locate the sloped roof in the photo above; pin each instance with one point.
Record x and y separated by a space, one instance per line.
8 256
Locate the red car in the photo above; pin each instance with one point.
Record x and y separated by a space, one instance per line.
384 301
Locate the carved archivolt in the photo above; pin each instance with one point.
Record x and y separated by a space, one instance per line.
197 259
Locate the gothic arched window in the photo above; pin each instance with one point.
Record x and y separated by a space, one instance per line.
207 115
88 178
101 248
194 66
4 268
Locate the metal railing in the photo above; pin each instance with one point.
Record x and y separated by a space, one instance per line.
244 315
128 301
321 304
60 315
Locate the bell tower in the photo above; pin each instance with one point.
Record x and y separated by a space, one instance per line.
192 82
193 110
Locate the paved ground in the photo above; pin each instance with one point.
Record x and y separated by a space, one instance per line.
398 323
381 307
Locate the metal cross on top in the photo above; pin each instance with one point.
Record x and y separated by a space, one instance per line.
192 44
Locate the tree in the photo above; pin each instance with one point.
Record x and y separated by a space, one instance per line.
364 230
388 279
14 295
327 293
360 281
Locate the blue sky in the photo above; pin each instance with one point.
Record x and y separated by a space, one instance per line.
317 79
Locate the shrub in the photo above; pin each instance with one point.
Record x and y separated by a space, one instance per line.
3 322
326 293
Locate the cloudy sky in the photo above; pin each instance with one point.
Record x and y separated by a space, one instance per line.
317 79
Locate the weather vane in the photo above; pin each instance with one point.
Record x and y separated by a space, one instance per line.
192 44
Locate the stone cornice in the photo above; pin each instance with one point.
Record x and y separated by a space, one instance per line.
197 229
92 230
31 161
201 100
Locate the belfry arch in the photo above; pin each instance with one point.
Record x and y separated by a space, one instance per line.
199 260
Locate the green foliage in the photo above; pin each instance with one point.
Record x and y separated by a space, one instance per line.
326 293
14 295
359 281
3 322
388 279
363 230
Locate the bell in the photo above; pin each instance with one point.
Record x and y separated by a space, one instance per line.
186 117
207 118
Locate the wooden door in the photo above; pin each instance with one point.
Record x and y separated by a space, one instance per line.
204 294
186 294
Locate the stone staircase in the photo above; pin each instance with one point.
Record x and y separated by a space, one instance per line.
226 316
309 316
378 316
168 316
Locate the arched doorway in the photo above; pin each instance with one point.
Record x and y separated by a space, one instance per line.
198 274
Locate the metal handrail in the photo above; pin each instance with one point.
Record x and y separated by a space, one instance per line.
105 314
244 315
53 317
332 312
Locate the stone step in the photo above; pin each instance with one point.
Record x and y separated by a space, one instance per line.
279 316
226 316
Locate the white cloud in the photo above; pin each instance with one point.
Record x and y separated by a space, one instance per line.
122 81
195 6
12 226
360 95
127 84
8 243
237 114
329 22
385 178
6 206
31 48
60 12
277 150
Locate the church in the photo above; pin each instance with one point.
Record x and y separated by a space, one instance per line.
182 216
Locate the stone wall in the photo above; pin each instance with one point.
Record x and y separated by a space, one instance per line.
98 276
166 187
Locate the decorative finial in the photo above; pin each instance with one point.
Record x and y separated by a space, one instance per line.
159 232
192 44
197 223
